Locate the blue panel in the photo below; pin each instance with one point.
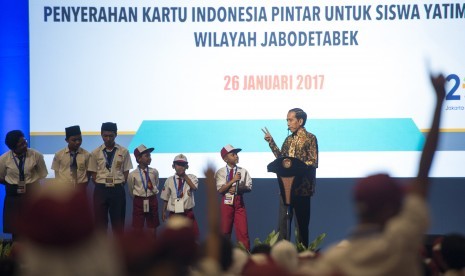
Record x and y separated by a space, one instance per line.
49 144
14 73
14 68
336 135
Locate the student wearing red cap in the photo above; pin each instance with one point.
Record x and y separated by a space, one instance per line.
178 192
70 164
142 186
232 182
109 166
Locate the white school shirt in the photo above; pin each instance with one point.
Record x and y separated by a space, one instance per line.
34 167
121 163
62 161
169 192
245 184
135 186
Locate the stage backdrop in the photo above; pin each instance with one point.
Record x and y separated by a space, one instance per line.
193 76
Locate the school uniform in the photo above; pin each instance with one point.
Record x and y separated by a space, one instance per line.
29 169
109 194
233 211
142 186
177 190
71 168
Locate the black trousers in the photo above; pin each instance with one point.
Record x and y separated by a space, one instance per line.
110 201
13 206
300 208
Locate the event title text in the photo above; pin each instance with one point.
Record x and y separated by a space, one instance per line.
271 14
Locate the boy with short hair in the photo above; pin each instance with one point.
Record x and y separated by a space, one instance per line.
142 186
109 166
70 164
178 192
21 171
232 182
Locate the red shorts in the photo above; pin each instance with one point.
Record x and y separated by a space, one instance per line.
138 215
190 214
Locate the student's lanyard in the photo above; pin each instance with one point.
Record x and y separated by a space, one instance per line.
20 166
144 184
178 189
228 178
109 157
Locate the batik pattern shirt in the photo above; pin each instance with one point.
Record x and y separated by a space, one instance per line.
302 145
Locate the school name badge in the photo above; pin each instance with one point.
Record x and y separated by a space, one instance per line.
229 199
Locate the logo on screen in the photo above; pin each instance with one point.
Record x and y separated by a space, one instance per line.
453 96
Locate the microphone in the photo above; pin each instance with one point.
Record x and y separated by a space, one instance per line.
237 182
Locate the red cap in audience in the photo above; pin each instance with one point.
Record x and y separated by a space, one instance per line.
377 191
57 222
